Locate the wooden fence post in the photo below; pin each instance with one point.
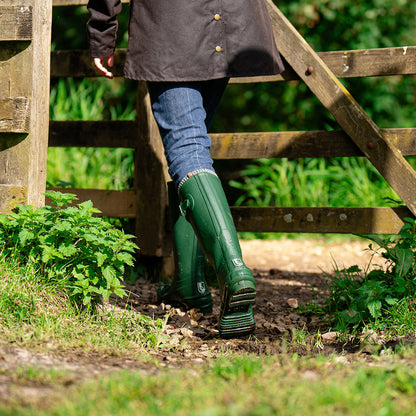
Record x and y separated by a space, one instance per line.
25 38
151 177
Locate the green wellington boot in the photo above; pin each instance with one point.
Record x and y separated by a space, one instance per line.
204 202
188 287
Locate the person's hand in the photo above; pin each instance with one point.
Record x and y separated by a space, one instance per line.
99 64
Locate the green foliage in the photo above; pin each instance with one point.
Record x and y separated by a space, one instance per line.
358 297
312 182
79 251
329 26
86 99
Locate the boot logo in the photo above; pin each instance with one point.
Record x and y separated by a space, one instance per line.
237 262
201 287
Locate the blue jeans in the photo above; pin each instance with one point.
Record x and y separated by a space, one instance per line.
183 112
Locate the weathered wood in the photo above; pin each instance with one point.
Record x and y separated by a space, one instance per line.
24 73
355 64
296 144
10 196
344 64
14 115
118 204
15 22
346 111
39 125
289 144
320 220
150 180
117 133
57 3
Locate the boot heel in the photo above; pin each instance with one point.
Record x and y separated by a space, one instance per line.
236 318
237 323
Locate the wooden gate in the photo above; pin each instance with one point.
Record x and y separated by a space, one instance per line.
359 136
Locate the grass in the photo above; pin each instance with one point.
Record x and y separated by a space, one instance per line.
241 385
37 315
313 182
34 312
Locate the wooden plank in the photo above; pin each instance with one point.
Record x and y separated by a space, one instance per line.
58 3
118 204
354 64
296 144
15 22
381 220
117 133
344 64
289 144
346 111
14 115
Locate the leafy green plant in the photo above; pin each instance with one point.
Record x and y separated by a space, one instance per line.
312 182
358 297
71 247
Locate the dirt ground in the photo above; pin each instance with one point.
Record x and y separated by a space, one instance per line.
288 274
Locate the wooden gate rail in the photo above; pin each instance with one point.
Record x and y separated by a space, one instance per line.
343 64
320 71
286 144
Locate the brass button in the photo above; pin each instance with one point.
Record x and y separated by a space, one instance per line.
218 48
217 17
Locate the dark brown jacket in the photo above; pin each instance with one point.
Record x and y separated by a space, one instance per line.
188 40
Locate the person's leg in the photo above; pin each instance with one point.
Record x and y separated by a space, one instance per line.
180 114
180 110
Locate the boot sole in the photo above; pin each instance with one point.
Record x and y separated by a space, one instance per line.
237 319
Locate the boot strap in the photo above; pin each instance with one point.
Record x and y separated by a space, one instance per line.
186 205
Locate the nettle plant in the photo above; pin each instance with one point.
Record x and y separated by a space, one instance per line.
359 297
70 246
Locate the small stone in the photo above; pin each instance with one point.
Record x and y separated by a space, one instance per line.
330 336
186 332
267 324
293 303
